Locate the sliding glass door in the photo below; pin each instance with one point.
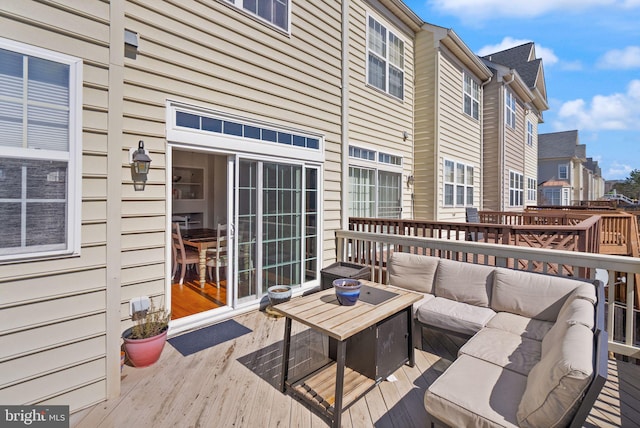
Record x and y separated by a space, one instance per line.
277 218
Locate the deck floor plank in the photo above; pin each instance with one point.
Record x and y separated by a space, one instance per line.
235 384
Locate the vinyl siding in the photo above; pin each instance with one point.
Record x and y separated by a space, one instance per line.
425 171
377 120
52 312
492 166
458 134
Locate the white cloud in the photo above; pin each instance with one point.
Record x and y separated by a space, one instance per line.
617 171
604 112
571 65
621 59
474 10
547 55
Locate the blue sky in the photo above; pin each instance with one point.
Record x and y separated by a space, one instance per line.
591 55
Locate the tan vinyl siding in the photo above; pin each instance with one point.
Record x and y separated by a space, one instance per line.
377 120
425 133
514 153
492 166
53 312
458 134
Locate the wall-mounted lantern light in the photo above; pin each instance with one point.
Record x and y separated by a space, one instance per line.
410 180
140 162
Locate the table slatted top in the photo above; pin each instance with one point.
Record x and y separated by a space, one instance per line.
323 312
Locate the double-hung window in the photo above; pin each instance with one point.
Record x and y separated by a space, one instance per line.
275 12
385 59
471 97
531 189
510 109
529 133
563 171
375 184
516 189
40 152
458 184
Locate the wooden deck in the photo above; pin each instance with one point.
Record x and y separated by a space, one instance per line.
234 384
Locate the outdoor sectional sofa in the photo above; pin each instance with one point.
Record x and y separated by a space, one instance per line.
537 353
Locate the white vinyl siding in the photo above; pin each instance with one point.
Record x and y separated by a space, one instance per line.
40 111
385 59
516 189
471 96
458 184
275 12
510 109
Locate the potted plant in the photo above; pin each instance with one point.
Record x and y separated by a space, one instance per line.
144 341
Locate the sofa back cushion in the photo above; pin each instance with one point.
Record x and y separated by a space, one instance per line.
556 385
412 271
576 310
530 294
464 282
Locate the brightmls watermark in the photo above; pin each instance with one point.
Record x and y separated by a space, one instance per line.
34 416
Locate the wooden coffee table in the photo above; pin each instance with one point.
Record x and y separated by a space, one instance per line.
381 319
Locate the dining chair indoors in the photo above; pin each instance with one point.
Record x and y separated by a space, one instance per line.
181 256
217 255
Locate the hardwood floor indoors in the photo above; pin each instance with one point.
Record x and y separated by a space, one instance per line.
188 298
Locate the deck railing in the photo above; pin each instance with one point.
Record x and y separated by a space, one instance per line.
372 249
565 231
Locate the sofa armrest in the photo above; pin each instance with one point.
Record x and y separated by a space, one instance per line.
601 358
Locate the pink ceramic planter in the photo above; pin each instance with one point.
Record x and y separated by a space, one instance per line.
144 352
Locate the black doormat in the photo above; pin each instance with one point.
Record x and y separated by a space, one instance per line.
195 341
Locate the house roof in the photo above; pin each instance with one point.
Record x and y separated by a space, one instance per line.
565 144
555 183
523 60
593 166
456 45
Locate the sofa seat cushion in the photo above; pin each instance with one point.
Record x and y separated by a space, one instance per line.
522 326
464 282
475 393
530 294
412 271
556 385
454 316
507 350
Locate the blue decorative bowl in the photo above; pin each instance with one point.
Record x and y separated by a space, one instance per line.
347 291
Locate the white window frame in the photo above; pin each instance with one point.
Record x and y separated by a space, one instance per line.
73 158
552 195
460 184
385 57
239 4
516 189
379 162
529 133
563 171
510 109
471 91
532 189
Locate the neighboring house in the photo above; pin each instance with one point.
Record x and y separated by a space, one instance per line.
514 101
448 125
380 104
238 107
594 179
561 158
